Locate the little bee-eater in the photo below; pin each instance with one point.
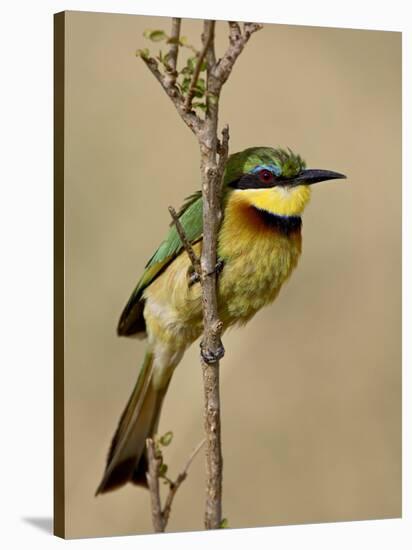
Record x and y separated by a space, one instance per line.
264 193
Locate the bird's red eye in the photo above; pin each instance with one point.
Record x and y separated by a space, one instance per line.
266 176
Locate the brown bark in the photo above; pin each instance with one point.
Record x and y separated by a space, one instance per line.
173 53
160 516
152 477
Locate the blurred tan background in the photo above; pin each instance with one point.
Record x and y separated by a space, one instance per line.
311 387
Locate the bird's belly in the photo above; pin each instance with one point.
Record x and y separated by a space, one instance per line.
173 309
254 277
251 278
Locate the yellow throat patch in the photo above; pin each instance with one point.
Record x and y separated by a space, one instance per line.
282 201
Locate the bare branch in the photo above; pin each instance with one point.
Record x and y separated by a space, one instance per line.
170 79
152 477
194 122
234 31
237 42
186 244
174 486
209 32
212 170
160 517
250 28
211 347
223 150
200 59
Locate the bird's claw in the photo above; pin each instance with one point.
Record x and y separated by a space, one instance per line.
212 357
194 277
220 264
218 267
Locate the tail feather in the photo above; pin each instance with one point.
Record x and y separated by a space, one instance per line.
126 460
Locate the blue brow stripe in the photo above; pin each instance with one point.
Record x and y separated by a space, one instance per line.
271 167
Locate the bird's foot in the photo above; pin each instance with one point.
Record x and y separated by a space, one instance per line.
211 357
194 277
220 264
218 267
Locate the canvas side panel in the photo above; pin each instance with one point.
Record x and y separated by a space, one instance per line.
59 102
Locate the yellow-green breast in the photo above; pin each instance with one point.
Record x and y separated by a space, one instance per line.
258 258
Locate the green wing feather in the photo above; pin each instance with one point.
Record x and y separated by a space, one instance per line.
190 216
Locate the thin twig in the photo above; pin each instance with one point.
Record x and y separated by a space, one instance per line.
160 517
173 52
209 33
234 31
152 477
200 59
237 42
223 151
250 28
186 244
192 120
174 486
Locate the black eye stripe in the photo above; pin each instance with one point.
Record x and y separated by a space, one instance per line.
253 181
247 181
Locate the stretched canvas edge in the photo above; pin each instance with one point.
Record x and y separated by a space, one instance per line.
58 400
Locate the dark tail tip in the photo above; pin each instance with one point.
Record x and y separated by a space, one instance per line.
131 320
120 475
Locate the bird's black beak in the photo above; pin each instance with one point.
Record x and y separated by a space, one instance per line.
309 177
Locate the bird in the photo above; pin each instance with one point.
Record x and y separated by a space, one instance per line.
263 195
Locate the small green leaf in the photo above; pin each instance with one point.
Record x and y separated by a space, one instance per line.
183 40
212 99
224 523
143 53
201 106
191 63
166 439
201 84
162 470
158 450
200 88
185 84
155 36
158 36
